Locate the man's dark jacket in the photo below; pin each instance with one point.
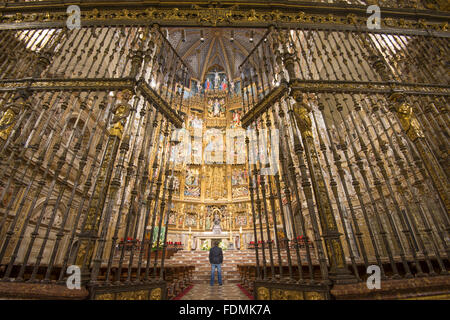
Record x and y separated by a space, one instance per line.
215 255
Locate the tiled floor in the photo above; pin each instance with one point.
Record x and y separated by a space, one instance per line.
228 291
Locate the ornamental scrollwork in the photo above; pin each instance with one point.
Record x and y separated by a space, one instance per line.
215 15
263 293
313 295
156 294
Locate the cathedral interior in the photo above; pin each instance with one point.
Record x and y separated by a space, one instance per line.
310 146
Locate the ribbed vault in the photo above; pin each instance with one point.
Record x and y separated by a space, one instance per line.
216 50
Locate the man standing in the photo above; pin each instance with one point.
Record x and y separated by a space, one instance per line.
216 259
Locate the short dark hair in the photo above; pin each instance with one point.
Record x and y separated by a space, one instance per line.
216 243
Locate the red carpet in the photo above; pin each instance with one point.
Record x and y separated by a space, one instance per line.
245 292
181 295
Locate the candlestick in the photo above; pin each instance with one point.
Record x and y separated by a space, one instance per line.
241 240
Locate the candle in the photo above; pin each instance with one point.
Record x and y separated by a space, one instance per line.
189 229
240 229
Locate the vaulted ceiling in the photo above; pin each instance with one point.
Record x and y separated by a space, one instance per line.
216 50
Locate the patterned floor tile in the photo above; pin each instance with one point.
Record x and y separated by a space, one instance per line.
216 292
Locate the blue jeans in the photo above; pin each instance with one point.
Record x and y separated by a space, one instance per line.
219 272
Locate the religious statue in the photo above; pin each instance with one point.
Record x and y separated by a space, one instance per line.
172 218
216 108
216 80
301 113
236 119
191 177
207 84
232 87
7 122
407 117
224 85
208 223
216 227
195 122
10 113
216 220
192 187
120 114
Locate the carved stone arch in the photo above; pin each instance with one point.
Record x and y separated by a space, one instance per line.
48 213
73 251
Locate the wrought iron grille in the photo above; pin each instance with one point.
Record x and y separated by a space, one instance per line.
87 116
85 137
364 128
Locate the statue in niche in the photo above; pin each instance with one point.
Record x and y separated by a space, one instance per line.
172 217
236 118
217 229
208 223
195 121
216 80
216 220
224 85
191 220
207 84
216 108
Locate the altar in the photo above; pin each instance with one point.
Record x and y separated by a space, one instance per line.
216 234
199 238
